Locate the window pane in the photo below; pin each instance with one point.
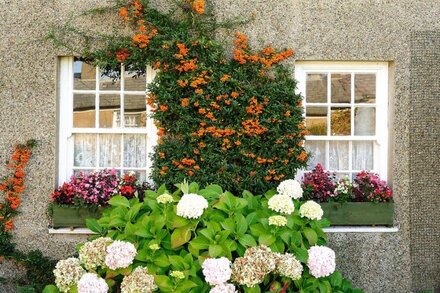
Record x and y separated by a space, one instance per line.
317 153
316 120
135 111
109 82
365 88
84 76
84 153
135 151
364 121
133 82
338 156
316 88
110 150
84 111
109 111
363 153
341 88
341 121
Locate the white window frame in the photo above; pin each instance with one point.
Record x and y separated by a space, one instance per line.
65 118
380 160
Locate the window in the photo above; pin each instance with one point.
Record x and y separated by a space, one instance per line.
103 123
346 109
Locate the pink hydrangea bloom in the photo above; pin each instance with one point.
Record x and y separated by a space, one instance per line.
321 261
217 271
120 254
92 283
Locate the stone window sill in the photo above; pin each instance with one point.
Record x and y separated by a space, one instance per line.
339 229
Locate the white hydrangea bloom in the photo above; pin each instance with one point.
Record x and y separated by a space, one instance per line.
92 254
138 281
289 266
165 198
120 254
191 206
291 188
281 203
67 273
311 210
92 283
321 261
279 221
217 270
223 288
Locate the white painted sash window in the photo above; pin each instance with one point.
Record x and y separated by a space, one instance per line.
103 123
346 114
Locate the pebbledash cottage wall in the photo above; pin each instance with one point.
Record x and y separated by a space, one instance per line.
405 33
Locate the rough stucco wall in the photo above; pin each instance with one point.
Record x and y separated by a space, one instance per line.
317 30
425 178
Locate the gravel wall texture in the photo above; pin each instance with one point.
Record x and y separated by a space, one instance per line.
405 33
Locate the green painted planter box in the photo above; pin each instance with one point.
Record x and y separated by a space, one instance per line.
73 217
359 213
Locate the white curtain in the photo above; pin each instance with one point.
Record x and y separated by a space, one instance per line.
363 155
84 153
338 155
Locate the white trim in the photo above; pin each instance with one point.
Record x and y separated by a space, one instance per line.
361 229
380 150
341 229
66 130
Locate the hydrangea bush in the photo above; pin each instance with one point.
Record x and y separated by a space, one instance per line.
206 240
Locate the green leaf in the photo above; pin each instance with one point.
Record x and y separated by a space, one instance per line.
228 224
93 225
311 235
193 187
133 212
325 223
130 229
215 250
258 229
296 238
161 261
255 289
247 240
277 246
200 242
301 254
177 262
336 279
164 283
119 201
242 224
266 239
252 218
51 288
186 286
180 236
117 222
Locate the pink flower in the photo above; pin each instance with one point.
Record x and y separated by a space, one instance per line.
321 261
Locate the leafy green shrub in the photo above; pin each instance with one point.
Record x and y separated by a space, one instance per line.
234 121
167 243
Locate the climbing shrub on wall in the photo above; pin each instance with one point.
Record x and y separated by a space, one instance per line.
38 267
234 121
